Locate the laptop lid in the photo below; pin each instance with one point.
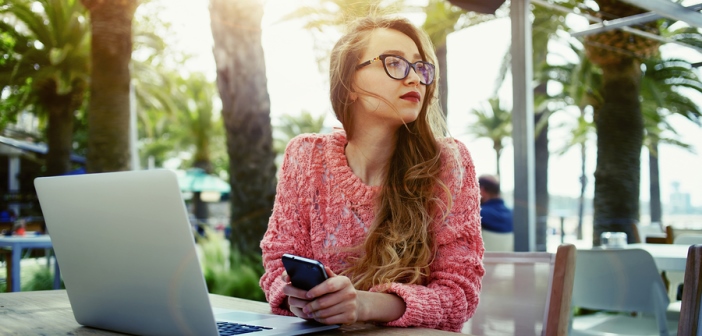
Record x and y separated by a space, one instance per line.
127 255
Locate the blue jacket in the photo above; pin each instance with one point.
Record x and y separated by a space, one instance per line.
496 216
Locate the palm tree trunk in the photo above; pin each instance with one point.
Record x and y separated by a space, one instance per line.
619 139
109 106
583 185
59 134
441 53
498 153
201 210
655 187
59 131
241 79
541 155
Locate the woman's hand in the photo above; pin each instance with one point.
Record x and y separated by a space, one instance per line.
296 297
334 301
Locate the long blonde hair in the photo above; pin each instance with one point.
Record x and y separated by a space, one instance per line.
400 245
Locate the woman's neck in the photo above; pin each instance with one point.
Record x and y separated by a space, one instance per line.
368 154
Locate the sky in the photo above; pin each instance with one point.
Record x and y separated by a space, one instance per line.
474 57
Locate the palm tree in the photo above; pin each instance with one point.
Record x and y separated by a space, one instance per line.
493 122
662 96
46 68
109 106
443 19
545 26
195 115
241 79
581 88
619 121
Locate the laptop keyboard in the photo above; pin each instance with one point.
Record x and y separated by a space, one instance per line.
229 328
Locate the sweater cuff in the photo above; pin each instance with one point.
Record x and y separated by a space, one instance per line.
421 307
277 299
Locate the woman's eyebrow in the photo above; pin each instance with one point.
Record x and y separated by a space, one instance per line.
401 53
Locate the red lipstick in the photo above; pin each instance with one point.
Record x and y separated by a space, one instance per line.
412 96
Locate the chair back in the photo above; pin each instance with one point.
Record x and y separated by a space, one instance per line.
688 239
498 241
525 293
690 312
625 280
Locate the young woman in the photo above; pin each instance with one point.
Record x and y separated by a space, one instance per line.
388 205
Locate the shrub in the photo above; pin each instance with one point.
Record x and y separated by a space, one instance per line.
235 276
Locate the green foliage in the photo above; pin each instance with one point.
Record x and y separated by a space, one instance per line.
291 126
443 19
665 89
235 276
493 122
41 279
51 47
176 109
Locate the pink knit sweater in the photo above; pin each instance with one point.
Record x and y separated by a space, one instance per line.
321 205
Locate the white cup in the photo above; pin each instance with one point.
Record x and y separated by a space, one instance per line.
613 239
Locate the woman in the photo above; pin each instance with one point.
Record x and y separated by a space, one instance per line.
389 209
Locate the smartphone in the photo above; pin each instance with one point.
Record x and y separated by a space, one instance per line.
304 273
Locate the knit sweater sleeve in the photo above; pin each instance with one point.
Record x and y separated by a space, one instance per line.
288 227
451 294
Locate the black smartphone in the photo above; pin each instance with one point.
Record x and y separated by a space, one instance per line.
304 273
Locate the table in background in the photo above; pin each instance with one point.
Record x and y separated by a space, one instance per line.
668 257
17 244
49 313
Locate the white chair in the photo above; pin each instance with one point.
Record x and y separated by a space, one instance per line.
690 312
498 241
620 280
525 293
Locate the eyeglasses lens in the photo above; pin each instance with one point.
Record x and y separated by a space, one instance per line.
398 68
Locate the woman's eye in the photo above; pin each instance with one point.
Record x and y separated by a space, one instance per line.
394 63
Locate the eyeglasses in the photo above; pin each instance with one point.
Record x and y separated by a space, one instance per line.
398 68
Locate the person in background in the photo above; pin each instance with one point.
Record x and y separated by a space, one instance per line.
389 205
496 218
8 216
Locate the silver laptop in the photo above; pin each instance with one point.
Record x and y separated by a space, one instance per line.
128 260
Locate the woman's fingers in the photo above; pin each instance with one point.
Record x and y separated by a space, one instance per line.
334 301
295 302
295 308
293 291
338 304
332 284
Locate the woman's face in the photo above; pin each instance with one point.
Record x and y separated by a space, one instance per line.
401 99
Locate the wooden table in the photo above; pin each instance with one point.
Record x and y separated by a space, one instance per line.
17 244
49 313
668 257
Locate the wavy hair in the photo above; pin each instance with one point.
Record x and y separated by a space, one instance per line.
400 245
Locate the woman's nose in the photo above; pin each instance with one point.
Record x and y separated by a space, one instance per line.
412 77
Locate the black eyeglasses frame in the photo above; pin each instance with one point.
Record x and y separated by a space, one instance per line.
413 66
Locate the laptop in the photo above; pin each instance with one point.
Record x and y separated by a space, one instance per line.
128 259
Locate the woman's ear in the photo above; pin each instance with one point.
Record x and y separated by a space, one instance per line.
353 96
